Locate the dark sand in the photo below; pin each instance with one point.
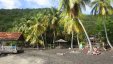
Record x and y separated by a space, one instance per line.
57 56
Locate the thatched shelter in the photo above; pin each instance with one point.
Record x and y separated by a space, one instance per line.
60 43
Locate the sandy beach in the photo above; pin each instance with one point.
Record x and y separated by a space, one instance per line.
57 56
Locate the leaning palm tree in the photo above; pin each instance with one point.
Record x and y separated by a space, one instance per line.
72 8
102 8
71 26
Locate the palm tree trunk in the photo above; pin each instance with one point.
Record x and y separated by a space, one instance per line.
43 40
86 36
72 40
45 37
53 39
107 35
78 40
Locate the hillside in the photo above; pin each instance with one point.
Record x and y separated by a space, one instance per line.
8 17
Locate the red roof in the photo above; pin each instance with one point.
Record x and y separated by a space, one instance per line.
11 36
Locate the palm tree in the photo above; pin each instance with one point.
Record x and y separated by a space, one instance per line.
70 26
72 8
37 28
33 28
102 8
53 22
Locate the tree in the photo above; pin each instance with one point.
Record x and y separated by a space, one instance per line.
36 26
72 9
71 26
33 28
53 22
102 8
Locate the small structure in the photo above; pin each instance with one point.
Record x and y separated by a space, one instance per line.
7 36
60 43
60 40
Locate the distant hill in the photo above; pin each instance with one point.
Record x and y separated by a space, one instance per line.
8 17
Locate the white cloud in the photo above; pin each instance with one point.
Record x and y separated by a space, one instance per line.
45 3
9 4
87 11
42 2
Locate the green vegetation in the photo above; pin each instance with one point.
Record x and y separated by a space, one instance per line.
103 8
71 12
44 26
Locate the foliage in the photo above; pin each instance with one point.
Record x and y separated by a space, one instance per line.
101 7
38 25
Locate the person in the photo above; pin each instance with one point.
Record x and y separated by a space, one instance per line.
81 46
86 49
96 51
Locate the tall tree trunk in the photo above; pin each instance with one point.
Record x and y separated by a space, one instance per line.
43 40
86 36
78 41
72 40
54 39
107 34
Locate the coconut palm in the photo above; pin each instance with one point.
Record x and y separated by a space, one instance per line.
102 8
71 26
72 8
53 22
37 28
33 28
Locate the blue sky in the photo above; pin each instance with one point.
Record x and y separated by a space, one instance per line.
11 4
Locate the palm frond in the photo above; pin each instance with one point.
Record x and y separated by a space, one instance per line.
101 7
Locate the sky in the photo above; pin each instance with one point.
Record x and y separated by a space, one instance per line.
22 4
10 4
